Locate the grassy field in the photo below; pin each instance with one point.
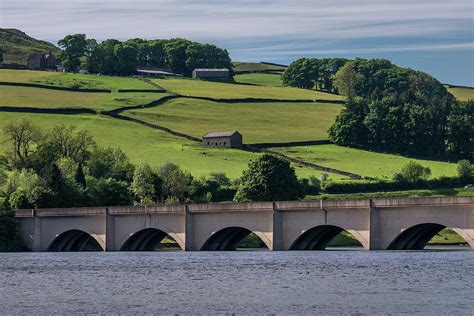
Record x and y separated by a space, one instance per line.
143 144
462 93
271 80
258 122
47 98
83 81
249 66
362 162
201 88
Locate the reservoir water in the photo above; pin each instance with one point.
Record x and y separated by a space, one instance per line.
250 282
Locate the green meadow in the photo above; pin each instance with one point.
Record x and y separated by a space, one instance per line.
363 162
83 81
258 122
271 80
143 144
48 98
239 66
201 88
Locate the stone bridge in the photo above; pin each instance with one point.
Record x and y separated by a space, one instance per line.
379 224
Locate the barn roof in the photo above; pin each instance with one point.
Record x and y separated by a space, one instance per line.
220 134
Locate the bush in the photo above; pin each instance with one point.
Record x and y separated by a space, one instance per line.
412 172
465 169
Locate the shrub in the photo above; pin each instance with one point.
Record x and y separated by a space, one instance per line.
413 172
465 169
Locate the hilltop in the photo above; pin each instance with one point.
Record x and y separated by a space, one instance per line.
17 46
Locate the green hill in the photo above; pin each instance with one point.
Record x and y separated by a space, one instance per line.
17 46
257 67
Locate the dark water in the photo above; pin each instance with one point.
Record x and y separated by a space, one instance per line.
331 282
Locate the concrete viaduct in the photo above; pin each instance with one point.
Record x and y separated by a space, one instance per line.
379 224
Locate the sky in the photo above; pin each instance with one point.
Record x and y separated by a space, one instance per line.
433 36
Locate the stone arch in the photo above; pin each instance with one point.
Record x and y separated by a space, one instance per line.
76 240
318 237
147 239
417 236
229 238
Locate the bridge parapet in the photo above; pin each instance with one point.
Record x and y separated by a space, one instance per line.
424 201
130 210
61 212
230 207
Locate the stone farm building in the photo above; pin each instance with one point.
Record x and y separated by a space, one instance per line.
40 61
211 73
223 139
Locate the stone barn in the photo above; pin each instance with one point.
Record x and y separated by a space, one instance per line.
211 73
223 139
39 61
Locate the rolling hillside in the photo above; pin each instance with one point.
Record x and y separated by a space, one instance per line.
17 46
160 127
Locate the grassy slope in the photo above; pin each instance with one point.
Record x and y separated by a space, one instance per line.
17 46
362 162
258 122
271 80
143 144
252 66
190 87
47 98
73 80
462 93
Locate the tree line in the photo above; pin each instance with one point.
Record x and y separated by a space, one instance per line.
113 57
390 108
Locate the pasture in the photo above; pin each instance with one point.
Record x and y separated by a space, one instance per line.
270 80
253 66
363 162
48 98
462 93
143 144
71 80
201 88
258 122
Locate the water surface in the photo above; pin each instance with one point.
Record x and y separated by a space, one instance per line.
334 282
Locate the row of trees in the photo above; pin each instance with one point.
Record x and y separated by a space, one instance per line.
390 108
313 73
113 57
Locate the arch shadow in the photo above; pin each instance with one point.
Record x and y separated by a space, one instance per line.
149 239
418 236
319 238
229 239
75 240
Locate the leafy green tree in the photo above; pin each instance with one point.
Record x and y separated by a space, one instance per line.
176 182
1 56
268 178
176 55
9 236
22 135
126 56
109 192
105 58
73 48
206 56
146 185
465 169
91 46
413 172
110 163
349 128
346 80
460 129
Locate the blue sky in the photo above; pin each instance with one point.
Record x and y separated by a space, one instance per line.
433 36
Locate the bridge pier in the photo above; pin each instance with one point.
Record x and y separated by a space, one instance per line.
294 225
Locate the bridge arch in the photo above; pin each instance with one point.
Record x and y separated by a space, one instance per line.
418 236
147 239
76 240
319 237
229 238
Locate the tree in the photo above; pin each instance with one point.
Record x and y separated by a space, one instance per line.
413 172
268 178
460 130
91 46
146 185
110 163
349 128
73 48
1 56
126 57
346 80
23 136
105 58
109 192
465 169
176 182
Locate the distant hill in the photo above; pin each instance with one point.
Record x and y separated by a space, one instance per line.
17 46
245 67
